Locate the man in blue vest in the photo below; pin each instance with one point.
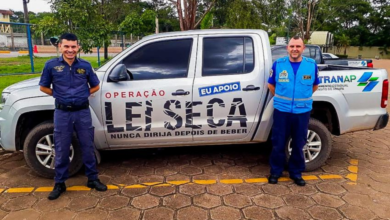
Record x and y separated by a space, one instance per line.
293 80
72 80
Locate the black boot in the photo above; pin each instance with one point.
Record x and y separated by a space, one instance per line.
96 184
273 179
57 190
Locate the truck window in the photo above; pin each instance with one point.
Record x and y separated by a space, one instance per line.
278 53
227 55
160 60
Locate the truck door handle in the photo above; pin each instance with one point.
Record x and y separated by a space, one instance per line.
180 92
251 88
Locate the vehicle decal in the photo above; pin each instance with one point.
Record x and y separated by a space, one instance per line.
368 81
234 123
339 82
219 89
134 94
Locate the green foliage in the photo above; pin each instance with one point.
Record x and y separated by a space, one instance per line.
148 19
272 39
207 21
132 24
139 25
242 15
85 18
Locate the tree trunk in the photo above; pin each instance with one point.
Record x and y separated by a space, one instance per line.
25 2
12 39
157 28
42 39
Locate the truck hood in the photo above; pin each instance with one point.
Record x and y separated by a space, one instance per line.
33 82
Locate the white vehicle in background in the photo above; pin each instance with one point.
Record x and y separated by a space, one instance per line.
191 88
329 56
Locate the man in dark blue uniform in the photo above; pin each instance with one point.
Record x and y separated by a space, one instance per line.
72 80
293 79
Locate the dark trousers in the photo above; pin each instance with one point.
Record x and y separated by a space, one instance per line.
289 125
65 123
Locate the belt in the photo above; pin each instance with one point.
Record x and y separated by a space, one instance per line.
71 108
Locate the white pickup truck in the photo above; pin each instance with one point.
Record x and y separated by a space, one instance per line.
187 88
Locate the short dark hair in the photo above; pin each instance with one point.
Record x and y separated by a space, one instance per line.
68 36
296 37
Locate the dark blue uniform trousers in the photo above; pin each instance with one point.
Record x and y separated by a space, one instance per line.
65 123
289 125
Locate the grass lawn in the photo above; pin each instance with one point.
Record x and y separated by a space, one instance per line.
21 64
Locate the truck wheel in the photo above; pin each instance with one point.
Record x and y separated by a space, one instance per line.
39 151
318 147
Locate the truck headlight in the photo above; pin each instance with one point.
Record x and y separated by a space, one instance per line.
4 97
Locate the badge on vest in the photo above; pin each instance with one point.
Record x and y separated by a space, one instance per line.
59 68
283 76
307 77
81 71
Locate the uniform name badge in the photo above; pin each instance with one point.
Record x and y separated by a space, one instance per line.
59 68
283 76
81 71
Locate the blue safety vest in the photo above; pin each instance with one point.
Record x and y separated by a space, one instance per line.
293 92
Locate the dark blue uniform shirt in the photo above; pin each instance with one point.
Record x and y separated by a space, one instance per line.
70 83
295 66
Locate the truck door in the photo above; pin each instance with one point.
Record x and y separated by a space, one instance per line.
228 87
150 108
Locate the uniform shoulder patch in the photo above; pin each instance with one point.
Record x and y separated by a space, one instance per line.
271 72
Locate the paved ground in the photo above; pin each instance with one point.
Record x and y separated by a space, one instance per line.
211 183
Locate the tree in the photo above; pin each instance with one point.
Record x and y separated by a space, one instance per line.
242 15
187 12
303 15
344 42
83 18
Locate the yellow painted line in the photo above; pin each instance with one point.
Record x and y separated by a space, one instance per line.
5 51
23 51
164 184
205 182
20 190
354 162
112 187
284 179
256 180
231 181
352 177
178 182
78 188
330 176
44 189
151 183
312 177
352 183
353 169
135 186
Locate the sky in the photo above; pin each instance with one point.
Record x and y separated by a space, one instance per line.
34 5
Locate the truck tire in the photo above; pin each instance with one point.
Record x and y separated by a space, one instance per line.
318 149
39 154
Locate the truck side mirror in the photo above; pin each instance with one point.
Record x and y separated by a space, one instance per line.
119 73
